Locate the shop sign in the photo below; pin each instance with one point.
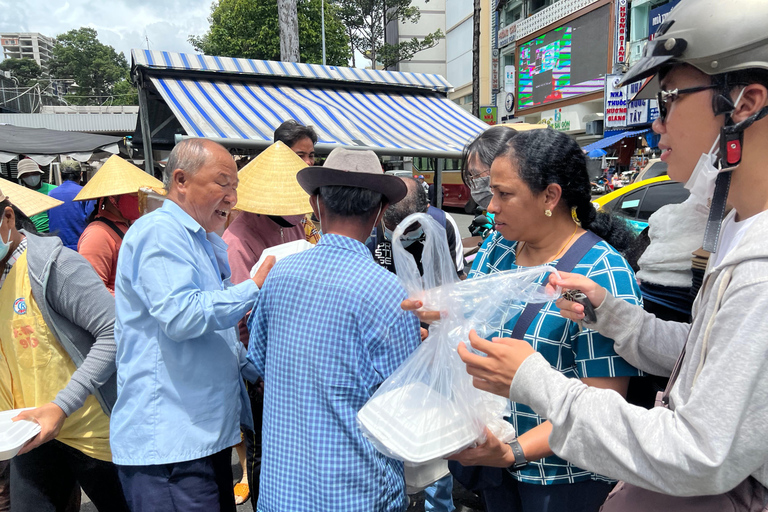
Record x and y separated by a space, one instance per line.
637 111
658 16
495 70
620 50
615 103
489 115
506 35
509 78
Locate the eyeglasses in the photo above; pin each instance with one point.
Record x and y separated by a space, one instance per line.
667 97
475 178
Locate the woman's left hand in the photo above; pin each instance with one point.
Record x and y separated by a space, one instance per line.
495 371
492 453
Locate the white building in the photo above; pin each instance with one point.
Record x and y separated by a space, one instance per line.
432 18
27 45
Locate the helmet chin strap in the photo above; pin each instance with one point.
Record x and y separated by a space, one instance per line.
729 157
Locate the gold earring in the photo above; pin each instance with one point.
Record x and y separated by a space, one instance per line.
548 213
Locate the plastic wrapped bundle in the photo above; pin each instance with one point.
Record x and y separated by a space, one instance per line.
429 409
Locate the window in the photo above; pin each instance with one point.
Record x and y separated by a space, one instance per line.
628 204
512 11
669 192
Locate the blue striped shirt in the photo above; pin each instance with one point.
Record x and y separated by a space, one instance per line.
574 353
326 332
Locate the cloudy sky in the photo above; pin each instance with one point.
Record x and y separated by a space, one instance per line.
122 24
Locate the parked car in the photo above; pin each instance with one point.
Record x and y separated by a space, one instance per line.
639 200
653 169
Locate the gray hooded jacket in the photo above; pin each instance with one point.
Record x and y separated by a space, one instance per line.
80 312
714 434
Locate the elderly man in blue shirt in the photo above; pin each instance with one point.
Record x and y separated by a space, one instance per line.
326 332
180 364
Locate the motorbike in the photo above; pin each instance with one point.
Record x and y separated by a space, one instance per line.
600 186
482 226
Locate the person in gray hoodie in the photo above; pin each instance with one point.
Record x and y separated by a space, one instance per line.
57 338
708 437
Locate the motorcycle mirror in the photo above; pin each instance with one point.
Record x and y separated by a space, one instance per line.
481 220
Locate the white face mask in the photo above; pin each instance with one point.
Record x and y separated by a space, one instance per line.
5 245
704 175
32 181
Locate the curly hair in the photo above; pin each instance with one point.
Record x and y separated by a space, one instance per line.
547 156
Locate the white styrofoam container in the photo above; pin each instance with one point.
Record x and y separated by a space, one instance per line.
15 434
420 476
399 424
280 252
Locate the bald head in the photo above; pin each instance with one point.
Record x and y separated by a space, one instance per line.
415 201
190 155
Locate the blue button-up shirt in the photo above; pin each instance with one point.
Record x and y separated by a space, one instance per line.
326 332
179 359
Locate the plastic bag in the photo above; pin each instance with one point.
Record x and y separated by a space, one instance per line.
428 408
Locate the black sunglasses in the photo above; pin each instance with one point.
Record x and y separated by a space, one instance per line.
667 97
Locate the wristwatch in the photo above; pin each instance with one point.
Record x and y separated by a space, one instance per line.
520 460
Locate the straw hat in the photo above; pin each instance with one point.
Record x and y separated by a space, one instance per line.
268 183
116 177
27 200
27 166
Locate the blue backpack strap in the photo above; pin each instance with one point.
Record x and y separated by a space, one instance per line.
437 214
567 263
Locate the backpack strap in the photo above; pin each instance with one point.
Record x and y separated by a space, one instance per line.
437 214
112 225
566 264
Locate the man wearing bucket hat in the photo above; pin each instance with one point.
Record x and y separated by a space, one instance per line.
180 365
68 220
327 330
57 340
273 205
704 447
115 188
30 175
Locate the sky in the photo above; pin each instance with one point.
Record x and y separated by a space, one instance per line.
121 24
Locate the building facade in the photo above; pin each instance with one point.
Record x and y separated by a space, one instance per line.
28 45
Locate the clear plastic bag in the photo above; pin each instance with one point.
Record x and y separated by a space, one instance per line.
428 408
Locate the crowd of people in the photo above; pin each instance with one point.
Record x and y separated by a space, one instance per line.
148 344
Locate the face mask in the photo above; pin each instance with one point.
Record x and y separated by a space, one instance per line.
128 205
5 246
408 238
481 191
704 175
31 181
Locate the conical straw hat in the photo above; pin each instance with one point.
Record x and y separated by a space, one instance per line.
116 177
268 183
29 201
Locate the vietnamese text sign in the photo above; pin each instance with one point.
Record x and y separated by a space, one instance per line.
622 11
488 115
615 103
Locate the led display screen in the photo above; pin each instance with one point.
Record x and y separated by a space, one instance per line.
566 62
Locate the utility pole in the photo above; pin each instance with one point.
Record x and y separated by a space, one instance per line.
322 25
288 19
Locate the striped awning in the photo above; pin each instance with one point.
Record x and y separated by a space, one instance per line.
387 122
160 60
241 102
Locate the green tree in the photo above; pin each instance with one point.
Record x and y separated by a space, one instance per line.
366 22
249 29
94 66
26 71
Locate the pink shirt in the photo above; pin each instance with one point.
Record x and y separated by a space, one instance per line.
247 237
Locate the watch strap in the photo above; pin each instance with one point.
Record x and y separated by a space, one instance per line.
517 451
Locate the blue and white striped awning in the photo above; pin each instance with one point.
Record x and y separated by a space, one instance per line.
159 60
386 122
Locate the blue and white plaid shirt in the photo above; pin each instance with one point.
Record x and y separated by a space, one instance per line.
326 332
574 353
